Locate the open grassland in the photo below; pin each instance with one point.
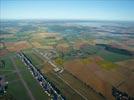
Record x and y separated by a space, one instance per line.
15 87
33 85
36 60
8 63
18 91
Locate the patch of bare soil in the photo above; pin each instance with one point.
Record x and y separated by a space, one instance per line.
17 46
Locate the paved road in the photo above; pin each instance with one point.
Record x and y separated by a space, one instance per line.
23 81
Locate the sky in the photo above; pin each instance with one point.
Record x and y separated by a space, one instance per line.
67 9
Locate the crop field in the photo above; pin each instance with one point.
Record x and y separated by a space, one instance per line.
127 64
37 44
97 75
46 68
107 65
79 60
128 84
58 81
63 47
12 46
107 55
84 89
3 52
114 57
44 39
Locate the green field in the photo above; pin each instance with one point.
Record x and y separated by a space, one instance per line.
64 88
15 85
34 58
47 41
8 62
14 82
113 57
13 39
33 85
107 65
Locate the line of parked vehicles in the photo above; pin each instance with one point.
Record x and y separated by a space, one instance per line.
47 86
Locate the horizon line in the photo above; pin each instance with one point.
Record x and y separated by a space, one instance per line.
63 19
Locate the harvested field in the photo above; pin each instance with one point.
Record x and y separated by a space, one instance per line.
17 46
128 85
48 47
47 68
45 34
107 65
3 52
85 90
127 63
126 68
62 47
37 45
80 44
92 74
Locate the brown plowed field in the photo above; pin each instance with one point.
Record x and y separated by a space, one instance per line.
92 74
3 52
17 46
